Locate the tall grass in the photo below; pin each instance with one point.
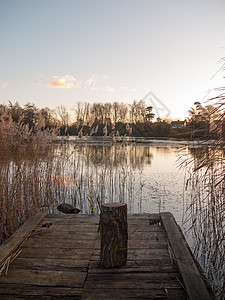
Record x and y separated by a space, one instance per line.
205 213
86 179
25 171
206 208
37 174
206 197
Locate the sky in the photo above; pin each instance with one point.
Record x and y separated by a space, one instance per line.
55 52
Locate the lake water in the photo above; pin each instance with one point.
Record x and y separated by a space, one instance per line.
146 176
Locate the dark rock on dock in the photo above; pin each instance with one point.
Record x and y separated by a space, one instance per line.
66 208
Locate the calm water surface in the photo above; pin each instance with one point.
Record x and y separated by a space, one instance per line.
156 182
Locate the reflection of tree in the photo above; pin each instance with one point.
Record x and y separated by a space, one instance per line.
199 155
115 156
166 150
205 156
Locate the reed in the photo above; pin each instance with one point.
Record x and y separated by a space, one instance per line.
37 174
86 180
205 214
205 198
25 160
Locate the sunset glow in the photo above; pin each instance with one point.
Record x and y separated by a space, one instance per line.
58 53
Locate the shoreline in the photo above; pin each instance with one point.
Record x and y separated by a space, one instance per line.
138 141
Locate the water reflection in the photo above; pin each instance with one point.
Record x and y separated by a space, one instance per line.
145 177
114 156
206 156
108 156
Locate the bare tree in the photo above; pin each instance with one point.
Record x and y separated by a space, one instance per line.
62 116
115 111
123 110
48 116
107 113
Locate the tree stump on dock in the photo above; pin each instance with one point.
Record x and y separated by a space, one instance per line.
113 230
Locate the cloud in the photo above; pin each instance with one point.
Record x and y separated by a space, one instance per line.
4 85
64 82
125 88
91 83
40 82
96 82
110 89
105 77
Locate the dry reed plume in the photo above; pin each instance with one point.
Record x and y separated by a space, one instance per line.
206 198
25 173
37 175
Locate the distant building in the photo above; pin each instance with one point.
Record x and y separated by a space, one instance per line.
177 124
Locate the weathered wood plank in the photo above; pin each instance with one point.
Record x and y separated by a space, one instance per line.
147 235
18 291
140 253
135 227
40 233
71 228
58 253
49 264
44 278
194 284
140 262
133 269
132 284
144 216
68 219
144 277
54 243
136 293
62 216
19 236
62 261
42 297
144 244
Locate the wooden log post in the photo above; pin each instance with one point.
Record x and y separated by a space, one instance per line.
113 230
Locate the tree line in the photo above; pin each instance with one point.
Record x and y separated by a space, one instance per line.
135 119
83 113
86 116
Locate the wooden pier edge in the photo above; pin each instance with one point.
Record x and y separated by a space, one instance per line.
193 281
19 236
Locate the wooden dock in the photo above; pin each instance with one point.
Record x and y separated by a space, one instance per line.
59 258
